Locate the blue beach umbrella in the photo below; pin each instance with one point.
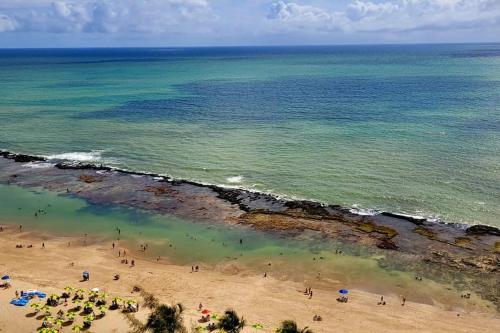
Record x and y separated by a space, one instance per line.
344 291
5 277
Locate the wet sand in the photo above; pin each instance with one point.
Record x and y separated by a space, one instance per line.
265 300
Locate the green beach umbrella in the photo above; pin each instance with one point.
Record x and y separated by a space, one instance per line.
258 326
47 330
102 308
59 322
71 316
46 309
88 319
36 306
89 304
77 328
48 319
103 295
69 288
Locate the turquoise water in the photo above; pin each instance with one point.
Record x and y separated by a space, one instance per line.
217 246
411 129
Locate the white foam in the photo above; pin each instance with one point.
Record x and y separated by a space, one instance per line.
363 212
77 156
235 179
38 165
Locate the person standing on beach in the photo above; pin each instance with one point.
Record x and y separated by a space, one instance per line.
20 227
403 300
43 245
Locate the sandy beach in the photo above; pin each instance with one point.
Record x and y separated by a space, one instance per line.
258 299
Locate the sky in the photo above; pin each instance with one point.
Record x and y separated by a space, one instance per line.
101 23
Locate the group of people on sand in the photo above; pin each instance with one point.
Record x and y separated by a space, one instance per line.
342 299
195 269
125 261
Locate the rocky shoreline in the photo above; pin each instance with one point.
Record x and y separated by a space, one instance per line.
415 244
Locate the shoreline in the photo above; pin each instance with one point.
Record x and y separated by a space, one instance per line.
268 300
435 250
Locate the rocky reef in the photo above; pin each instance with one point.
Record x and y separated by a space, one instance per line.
408 243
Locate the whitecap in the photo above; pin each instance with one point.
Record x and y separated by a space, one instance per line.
38 165
77 156
363 212
235 179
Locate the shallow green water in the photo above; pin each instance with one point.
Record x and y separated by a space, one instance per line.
212 245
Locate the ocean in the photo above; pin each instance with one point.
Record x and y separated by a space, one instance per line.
403 128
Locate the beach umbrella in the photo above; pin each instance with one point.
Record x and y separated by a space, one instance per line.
258 326
71 315
344 291
89 304
48 330
95 290
36 306
48 319
214 315
77 328
69 288
5 277
205 312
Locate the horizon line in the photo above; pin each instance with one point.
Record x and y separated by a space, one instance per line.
246 46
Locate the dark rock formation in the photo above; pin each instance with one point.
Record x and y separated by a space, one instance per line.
387 244
81 166
482 230
21 158
412 219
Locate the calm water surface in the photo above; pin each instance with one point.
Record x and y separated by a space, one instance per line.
410 129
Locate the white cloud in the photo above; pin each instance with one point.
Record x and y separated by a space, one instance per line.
7 23
391 15
107 16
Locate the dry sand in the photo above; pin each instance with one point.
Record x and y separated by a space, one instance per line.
258 299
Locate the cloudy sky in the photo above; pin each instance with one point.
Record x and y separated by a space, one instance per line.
49 23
